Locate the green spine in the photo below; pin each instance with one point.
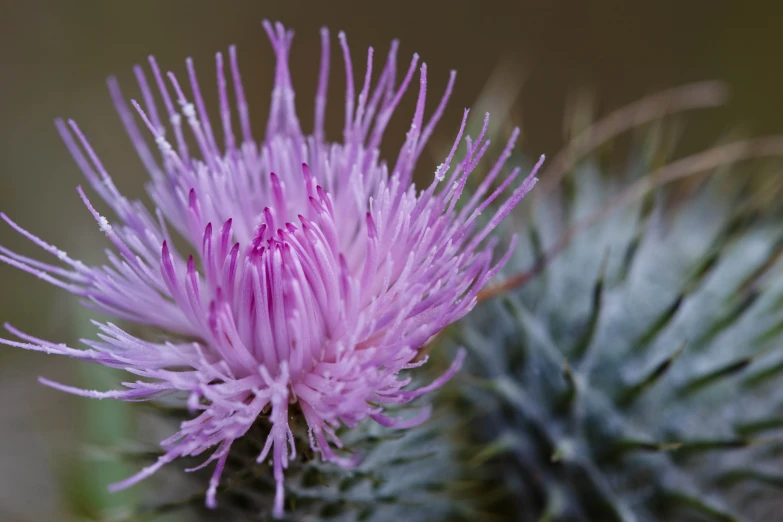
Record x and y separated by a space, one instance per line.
638 376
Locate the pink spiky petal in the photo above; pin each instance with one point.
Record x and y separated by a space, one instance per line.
314 272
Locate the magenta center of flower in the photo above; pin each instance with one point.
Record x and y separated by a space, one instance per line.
283 321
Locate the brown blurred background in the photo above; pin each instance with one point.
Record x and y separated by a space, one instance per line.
55 57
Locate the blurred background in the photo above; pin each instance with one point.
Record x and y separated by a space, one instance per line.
529 57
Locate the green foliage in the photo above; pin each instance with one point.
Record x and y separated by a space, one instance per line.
638 376
404 475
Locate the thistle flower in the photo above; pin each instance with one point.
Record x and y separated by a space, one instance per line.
318 274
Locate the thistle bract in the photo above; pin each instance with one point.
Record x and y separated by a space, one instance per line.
637 377
318 270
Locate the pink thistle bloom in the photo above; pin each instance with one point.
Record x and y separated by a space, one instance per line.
318 271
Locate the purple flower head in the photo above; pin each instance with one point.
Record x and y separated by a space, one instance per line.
318 270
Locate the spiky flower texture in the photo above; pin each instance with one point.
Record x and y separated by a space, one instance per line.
319 271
